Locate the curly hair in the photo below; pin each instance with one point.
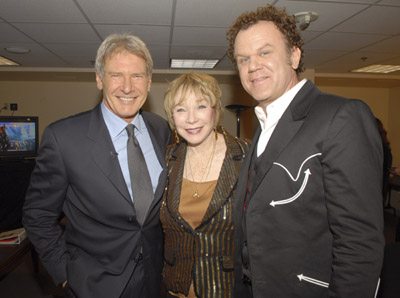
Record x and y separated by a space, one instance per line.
285 24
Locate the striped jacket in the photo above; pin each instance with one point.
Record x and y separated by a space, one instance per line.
203 255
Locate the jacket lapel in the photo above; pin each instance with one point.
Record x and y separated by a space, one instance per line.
161 159
103 153
157 145
176 167
241 192
229 171
287 127
283 133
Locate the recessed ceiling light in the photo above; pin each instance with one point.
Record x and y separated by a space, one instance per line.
376 68
5 61
193 63
17 50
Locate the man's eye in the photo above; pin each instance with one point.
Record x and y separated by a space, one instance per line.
264 53
138 77
243 60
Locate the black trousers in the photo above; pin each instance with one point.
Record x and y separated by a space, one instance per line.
135 286
133 289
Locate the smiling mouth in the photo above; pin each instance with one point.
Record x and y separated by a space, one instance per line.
257 80
193 131
126 98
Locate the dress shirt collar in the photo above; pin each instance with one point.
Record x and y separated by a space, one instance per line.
275 110
116 125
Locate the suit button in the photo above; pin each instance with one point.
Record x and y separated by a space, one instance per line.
131 220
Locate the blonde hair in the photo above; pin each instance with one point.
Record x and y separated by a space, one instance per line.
202 85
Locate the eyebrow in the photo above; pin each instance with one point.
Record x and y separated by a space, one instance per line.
120 72
263 47
267 45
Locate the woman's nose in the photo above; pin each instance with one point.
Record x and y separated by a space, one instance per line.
192 117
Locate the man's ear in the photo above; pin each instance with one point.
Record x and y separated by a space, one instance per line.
149 84
99 82
295 57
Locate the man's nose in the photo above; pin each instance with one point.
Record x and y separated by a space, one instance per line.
254 64
128 85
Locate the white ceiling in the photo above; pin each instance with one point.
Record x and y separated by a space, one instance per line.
67 33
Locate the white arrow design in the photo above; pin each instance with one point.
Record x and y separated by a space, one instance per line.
313 281
303 186
298 173
377 288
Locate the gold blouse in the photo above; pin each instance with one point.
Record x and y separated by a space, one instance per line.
192 209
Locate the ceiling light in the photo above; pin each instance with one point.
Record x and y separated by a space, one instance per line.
376 68
5 61
193 63
17 50
303 19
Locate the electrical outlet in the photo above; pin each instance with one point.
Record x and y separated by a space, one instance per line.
13 107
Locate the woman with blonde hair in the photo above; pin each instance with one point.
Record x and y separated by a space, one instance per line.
196 212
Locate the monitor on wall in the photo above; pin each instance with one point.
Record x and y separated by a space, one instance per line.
19 138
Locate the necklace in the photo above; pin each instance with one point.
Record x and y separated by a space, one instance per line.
206 170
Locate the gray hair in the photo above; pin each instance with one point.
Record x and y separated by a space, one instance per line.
117 43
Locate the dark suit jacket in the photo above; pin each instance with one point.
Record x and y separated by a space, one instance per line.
313 220
78 173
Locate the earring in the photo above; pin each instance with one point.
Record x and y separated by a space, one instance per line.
216 133
177 140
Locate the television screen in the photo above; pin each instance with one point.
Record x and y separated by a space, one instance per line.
18 137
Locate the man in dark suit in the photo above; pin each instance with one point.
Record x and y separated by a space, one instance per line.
82 171
308 209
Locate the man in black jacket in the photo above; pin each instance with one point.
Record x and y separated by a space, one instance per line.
82 172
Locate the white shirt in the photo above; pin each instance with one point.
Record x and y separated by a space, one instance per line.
274 112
